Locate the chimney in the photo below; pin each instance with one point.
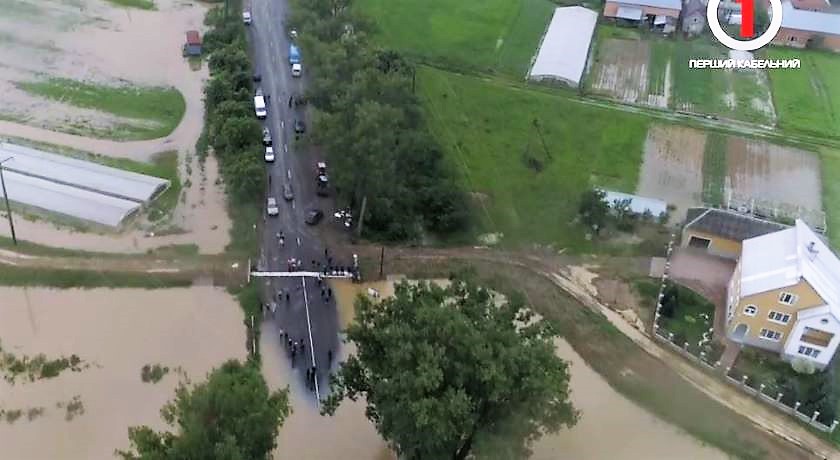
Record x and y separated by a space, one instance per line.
812 250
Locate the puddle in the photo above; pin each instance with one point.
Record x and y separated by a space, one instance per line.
635 433
117 332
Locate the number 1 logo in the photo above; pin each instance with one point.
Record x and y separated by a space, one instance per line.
747 25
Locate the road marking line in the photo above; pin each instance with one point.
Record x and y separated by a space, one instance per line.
282 124
298 241
289 174
311 343
286 148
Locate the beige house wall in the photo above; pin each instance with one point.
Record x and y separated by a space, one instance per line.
799 39
767 302
611 10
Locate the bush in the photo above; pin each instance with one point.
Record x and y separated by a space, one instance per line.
803 366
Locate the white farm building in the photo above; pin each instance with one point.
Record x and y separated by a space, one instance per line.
76 188
564 49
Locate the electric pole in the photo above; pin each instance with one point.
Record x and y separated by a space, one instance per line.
6 197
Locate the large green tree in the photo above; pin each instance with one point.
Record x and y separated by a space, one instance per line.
447 372
230 416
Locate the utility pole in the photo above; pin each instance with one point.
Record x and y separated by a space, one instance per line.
6 197
382 264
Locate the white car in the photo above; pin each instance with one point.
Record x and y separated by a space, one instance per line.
296 70
269 154
246 18
271 207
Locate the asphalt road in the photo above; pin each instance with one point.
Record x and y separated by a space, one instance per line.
307 315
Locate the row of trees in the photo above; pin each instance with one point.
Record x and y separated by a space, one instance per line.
230 127
371 125
447 373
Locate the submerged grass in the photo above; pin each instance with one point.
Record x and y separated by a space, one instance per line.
74 278
158 110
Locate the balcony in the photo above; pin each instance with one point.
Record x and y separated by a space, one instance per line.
816 337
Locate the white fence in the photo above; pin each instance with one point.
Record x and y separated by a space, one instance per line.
666 337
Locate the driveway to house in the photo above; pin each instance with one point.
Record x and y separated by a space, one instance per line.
706 274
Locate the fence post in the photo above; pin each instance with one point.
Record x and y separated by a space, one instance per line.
816 414
685 346
833 426
778 397
761 389
744 379
796 406
671 336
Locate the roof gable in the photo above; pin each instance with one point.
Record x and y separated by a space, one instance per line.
811 21
728 224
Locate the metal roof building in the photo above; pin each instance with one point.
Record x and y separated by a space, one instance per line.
565 46
811 21
76 188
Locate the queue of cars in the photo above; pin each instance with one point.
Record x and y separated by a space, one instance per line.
313 216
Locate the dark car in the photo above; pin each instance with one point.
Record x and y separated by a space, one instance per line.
257 77
266 137
313 216
300 126
288 194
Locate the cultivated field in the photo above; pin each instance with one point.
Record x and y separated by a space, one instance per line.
91 69
630 69
808 99
86 414
641 69
687 167
672 167
491 35
527 156
59 72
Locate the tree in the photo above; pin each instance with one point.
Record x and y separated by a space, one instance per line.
448 371
231 416
593 209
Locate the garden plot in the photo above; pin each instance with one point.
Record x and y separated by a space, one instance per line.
624 70
785 177
672 167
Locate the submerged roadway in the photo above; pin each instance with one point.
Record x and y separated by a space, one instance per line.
308 315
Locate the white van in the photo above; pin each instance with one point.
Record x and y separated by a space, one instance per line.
296 69
259 107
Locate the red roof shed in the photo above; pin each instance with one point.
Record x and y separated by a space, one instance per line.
193 38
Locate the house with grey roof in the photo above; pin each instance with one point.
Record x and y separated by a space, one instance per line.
720 232
694 17
661 15
803 28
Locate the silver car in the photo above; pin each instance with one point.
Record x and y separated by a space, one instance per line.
271 207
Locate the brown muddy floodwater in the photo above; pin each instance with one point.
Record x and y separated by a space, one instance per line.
117 332
633 433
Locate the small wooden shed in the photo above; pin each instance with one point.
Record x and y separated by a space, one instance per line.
193 45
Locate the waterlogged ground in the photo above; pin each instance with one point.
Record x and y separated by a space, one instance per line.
634 433
116 332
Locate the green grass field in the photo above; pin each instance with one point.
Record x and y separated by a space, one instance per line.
831 193
808 99
528 186
714 168
157 110
487 36
140 4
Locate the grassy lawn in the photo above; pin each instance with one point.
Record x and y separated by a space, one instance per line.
660 55
157 111
527 178
830 161
691 317
808 99
141 4
58 278
714 168
486 36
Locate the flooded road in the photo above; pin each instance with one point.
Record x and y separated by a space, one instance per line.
633 432
116 332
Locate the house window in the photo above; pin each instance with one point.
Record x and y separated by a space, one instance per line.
770 334
777 317
787 298
750 310
808 351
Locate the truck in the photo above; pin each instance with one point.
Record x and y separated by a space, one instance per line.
322 180
294 60
259 105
